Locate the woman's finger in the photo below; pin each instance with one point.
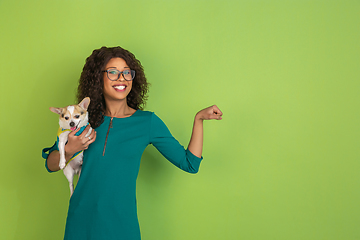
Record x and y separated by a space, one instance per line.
217 110
86 130
91 137
93 133
216 113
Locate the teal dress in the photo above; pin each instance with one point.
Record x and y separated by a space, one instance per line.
103 205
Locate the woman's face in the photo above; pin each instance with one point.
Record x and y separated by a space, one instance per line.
118 89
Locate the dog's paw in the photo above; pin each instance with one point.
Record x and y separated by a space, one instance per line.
62 165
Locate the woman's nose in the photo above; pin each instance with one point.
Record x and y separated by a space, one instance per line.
121 78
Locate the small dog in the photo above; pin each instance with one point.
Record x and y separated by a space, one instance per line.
71 118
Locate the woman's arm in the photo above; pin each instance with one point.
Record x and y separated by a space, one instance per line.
74 145
196 141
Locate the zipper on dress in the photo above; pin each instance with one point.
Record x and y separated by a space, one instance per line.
107 134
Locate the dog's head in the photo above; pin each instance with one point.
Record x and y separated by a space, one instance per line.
73 116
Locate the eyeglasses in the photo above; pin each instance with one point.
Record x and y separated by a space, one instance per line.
114 74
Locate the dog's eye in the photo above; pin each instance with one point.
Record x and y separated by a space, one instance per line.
77 116
82 113
66 118
62 115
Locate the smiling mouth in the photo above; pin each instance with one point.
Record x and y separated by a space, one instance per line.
119 87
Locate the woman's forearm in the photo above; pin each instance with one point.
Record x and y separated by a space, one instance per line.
197 136
54 159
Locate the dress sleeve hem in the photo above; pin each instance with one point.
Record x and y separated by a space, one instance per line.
193 162
45 154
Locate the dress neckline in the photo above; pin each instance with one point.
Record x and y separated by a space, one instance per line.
123 117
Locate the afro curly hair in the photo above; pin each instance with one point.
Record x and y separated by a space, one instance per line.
91 82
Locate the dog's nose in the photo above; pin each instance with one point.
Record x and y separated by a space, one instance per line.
72 124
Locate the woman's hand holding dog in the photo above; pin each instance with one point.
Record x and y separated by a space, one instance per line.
74 145
78 143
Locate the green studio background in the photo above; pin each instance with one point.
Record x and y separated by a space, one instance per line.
282 164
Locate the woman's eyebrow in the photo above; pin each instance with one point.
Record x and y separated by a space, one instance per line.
115 67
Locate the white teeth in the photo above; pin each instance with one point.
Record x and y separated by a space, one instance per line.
120 87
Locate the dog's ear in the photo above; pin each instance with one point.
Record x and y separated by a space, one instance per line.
56 110
85 103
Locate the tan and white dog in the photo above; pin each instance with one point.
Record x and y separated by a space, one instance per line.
71 118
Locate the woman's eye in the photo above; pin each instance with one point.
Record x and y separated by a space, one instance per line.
126 72
113 72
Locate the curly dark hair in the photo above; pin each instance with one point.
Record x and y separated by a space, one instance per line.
91 82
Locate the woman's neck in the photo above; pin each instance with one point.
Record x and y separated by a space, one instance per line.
118 109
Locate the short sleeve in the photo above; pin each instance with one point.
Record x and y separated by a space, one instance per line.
46 152
170 148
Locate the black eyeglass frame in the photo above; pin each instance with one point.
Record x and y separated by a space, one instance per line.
132 72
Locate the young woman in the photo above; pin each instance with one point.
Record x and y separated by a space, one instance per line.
103 205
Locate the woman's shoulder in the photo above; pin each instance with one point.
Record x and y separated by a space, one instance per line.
143 113
148 115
